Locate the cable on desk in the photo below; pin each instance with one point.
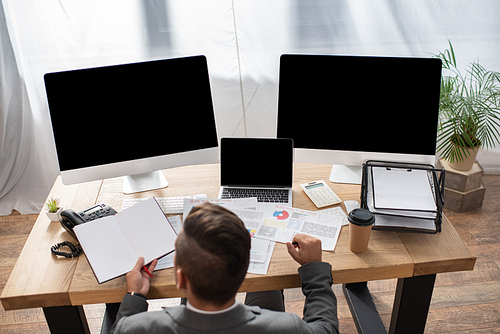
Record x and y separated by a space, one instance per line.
75 250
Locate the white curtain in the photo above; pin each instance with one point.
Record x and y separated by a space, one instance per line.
242 40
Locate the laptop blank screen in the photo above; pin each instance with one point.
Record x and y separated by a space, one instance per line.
259 162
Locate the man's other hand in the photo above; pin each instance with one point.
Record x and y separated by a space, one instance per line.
304 249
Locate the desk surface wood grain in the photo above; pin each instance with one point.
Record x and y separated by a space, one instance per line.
41 279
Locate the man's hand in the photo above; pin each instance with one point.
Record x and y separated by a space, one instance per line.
138 279
305 248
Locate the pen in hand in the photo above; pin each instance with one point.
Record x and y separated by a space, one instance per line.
147 271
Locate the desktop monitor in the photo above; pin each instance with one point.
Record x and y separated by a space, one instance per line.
344 110
132 120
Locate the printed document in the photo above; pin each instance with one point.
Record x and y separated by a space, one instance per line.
246 209
281 223
168 260
276 223
336 211
256 267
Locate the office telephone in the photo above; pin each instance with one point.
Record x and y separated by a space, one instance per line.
70 218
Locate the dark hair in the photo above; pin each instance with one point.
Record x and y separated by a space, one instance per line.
213 251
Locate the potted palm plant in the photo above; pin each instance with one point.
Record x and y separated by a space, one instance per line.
469 111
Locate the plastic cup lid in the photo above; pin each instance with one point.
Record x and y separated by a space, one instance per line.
361 217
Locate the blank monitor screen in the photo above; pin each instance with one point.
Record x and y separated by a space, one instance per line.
254 162
134 111
360 103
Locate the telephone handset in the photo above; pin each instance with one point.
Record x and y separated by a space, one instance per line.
70 218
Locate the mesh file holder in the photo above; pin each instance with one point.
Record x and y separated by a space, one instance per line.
436 182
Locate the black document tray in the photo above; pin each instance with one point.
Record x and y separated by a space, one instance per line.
438 188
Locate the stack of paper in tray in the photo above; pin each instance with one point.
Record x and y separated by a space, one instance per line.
402 198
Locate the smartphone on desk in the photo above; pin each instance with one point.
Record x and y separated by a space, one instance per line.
71 218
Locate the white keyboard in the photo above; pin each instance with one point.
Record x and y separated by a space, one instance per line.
169 205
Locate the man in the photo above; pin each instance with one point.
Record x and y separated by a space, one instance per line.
211 260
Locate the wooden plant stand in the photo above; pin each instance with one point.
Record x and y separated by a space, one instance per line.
463 190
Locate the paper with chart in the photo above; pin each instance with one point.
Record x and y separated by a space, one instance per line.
251 218
281 223
259 247
246 209
261 250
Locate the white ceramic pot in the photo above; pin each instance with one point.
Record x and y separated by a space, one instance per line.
54 216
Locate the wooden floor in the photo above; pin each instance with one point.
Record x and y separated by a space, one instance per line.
463 302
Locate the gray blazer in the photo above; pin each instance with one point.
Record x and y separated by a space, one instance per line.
320 313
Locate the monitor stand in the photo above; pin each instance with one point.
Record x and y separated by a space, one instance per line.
144 182
346 174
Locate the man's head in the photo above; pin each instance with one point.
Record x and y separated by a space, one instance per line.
213 251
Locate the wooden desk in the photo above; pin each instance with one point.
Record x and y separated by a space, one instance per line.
40 279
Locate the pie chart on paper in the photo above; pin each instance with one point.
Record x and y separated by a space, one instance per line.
281 215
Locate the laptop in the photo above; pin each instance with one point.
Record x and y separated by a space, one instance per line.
257 167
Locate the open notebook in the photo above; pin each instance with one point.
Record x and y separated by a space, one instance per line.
113 244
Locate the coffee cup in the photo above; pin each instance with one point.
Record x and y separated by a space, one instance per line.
360 227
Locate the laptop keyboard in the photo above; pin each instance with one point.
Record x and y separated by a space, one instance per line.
263 195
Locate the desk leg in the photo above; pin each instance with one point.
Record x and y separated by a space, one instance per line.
411 304
363 309
66 319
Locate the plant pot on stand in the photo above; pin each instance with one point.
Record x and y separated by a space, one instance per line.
468 160
469 110
463 189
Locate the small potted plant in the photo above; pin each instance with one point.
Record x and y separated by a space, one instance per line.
53 209
469 111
